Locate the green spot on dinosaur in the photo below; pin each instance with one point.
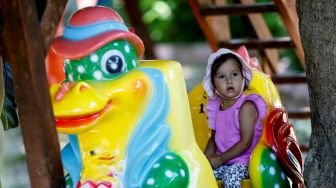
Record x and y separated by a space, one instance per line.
170 171
271 172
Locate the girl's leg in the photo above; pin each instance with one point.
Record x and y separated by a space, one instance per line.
234 174
218 172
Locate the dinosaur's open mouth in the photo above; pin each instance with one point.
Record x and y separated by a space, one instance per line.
77 121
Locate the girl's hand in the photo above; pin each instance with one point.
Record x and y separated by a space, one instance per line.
215 161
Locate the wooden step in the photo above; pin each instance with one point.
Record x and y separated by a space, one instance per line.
237 9
299 114
304 149
282 42
289 79
293 79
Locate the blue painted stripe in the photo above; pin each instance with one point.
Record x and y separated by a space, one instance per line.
88 31
150 140
71 159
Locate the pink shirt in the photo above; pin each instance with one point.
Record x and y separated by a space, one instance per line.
227 126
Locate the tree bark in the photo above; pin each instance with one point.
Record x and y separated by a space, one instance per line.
21 37
318 34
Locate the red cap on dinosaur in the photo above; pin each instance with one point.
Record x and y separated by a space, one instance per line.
91 28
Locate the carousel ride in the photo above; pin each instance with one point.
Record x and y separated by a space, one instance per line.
128 121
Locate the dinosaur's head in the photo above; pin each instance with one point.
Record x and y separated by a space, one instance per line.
101 59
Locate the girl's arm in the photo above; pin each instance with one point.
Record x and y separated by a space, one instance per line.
211 148
248 116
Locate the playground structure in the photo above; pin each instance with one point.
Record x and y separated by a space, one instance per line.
43 136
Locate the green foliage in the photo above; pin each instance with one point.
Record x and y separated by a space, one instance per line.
170 21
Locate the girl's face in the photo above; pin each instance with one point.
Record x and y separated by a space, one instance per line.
228 79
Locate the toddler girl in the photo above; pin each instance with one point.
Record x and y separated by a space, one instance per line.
235 118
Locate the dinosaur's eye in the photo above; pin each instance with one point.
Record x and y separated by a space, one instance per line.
92 153
113 62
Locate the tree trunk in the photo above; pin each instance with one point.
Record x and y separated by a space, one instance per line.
318 34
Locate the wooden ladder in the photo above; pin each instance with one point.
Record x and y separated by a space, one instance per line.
213 18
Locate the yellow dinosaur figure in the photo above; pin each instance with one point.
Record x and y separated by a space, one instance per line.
128 122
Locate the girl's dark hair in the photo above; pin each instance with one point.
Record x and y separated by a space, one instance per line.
219 61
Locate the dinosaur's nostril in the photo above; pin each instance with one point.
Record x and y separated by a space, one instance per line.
83 87
63 90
